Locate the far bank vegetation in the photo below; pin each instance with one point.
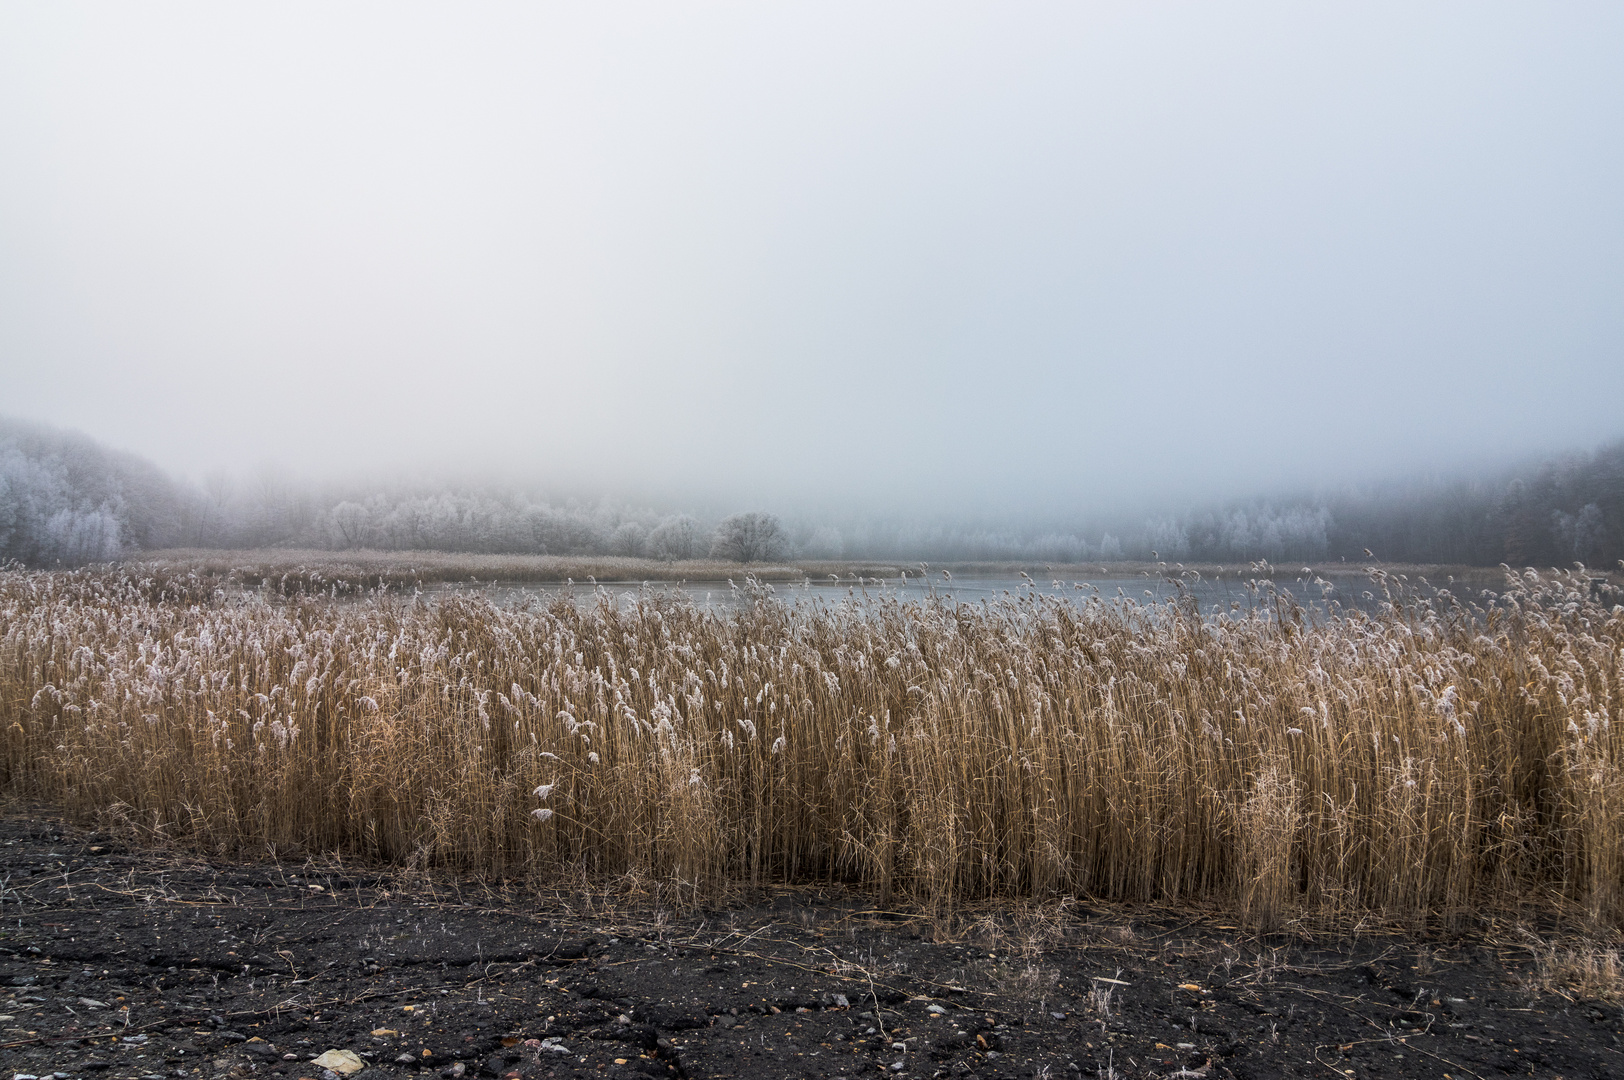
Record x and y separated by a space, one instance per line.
65 501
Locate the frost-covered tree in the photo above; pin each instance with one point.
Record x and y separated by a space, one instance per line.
1583 535
1058 548
66 500
1169 539
748 538
627 539
676 537
83 536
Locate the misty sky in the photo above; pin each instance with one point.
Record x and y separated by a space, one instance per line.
977 256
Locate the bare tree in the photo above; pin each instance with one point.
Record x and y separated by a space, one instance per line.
749 538
350 522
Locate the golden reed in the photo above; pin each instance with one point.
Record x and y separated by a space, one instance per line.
1423 761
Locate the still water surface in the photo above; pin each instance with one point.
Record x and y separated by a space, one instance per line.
1214 595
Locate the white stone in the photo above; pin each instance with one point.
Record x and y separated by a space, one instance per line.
342 1062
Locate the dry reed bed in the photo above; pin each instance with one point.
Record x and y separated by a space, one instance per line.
1424 761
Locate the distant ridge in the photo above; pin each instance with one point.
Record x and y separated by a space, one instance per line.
65 499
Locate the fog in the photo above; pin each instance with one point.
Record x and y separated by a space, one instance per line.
1036 261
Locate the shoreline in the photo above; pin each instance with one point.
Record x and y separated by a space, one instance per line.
450 567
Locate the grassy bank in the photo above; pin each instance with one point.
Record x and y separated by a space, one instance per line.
1428 760
297 571
1463 578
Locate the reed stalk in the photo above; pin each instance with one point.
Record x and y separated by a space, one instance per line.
1430 759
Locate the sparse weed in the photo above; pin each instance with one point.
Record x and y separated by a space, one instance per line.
1586 970
1027 982
1100 994
989 932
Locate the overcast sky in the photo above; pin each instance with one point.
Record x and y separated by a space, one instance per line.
976 255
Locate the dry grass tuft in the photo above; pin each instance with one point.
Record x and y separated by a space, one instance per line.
1427 760
1587 972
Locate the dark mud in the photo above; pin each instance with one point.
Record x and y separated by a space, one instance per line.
123 963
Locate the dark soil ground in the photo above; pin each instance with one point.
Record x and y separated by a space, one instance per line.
117 962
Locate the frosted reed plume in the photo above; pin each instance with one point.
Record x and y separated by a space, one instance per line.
1425 760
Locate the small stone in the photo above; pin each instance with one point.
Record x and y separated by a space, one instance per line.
842 1001
936 1009
92 1003
1058 1015
341 1062
405 1059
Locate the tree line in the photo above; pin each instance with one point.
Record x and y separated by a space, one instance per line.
66 500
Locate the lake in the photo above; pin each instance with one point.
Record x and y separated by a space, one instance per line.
1214 595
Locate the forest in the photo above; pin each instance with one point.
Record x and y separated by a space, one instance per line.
67 500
